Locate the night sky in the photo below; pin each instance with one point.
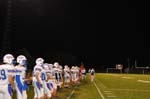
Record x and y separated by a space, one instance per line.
102 33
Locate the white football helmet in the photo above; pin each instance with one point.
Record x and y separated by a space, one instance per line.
50 66
66 66
8 58
56 64
39 61
21 59
46 66
72 67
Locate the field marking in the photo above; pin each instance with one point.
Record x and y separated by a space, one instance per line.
111 96
71 93
130 90
143 81
117 75
107 91
100 93
102 85
127 77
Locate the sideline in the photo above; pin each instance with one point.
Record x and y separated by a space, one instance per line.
100 93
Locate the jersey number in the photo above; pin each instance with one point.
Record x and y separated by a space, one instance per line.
43 76
2 74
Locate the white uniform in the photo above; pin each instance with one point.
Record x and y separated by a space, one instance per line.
92 73
6 70
67 75
54 81
60 79
83 71
48 84
44 77
77 73
38 89
57 76
73 74
19 82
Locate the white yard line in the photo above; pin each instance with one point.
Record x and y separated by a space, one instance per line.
107 91
118 75
102 85
100 93
127 77
129 90
143 81
71 93
111 96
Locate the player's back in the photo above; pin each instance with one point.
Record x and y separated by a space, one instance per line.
37 69
5 71
21 71
43 75
92 72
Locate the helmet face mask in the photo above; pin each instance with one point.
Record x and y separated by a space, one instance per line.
14 62
39 61
51 66
46 66
23 62
8 58
56 64
66 66
21 59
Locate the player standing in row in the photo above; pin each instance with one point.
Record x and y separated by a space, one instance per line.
53 80
20 74
67 76
6 77
83 71
47 85
92 74
75 74
37 79
58 74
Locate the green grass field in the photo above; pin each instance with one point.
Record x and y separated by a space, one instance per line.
107 86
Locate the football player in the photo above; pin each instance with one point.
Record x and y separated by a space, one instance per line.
37 79
92 74
20 75
67 76
6 77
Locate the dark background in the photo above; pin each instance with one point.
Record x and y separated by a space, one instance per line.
73 31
